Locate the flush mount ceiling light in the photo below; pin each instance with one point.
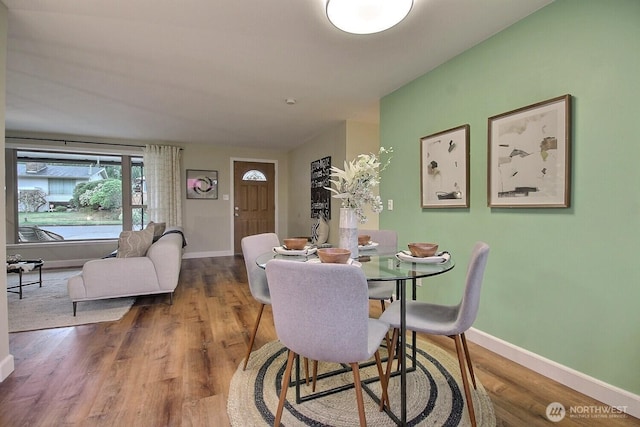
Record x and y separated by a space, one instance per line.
367 16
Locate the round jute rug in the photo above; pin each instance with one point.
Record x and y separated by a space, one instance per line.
435 396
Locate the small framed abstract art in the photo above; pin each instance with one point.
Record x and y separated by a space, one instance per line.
444 169
202 184
529 156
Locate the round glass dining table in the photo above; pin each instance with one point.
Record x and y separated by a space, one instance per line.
381 265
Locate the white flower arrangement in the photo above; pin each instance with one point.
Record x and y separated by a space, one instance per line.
355 184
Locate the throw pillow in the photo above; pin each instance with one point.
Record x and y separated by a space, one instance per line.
158 229
134 243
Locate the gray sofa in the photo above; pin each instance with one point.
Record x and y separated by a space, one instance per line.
155 273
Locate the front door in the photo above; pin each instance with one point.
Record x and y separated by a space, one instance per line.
254 200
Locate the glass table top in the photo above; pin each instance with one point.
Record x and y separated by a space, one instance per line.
377 264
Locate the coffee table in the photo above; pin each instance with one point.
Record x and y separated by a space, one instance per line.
19 268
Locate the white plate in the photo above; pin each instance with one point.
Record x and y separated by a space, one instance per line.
370 245
440 258
317 261
308 250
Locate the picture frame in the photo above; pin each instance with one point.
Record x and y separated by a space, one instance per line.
202 184
529 161
320 196
444 169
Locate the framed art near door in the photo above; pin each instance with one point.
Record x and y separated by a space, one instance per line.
202 184
530 156
444 169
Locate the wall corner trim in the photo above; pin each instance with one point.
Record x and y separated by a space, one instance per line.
6 367
592 387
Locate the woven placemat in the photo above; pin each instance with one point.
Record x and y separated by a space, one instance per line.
435 396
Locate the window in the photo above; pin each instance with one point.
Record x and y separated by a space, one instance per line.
61 186
138 194
77 196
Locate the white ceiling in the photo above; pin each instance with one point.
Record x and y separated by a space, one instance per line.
219 71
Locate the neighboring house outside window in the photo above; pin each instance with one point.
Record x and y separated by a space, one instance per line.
58 181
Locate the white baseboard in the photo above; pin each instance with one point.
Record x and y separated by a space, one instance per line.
6 367
210 254
592 387
68 263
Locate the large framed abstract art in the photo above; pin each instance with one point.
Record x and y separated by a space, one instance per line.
530 156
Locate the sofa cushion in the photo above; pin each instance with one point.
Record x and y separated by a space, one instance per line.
158 229
134 243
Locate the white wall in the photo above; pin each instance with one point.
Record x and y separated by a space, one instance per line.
343 141
208 224
364 138
6 359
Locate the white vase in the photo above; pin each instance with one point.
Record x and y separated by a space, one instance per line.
349 231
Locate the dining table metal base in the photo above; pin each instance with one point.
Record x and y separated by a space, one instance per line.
298 381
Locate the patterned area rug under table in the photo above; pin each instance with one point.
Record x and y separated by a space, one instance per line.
435 396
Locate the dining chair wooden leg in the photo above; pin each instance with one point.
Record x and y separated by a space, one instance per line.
386 336
315 375
384 397
465 380
355 368
387 375
253 336
285 385
387 342
468 357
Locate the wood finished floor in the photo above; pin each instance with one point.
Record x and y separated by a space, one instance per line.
163 365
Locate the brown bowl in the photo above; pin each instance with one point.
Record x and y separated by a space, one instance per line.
363 239
334 255
295 243
423 249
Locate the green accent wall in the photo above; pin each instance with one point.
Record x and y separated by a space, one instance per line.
562 283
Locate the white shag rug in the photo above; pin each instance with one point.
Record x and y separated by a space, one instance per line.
49 306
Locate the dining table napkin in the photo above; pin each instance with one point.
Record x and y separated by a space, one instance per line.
281 250
439 258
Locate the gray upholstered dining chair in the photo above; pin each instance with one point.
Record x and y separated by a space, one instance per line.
252 247
387 241
451 321
332 301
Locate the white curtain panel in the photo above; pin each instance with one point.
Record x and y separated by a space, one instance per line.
164 186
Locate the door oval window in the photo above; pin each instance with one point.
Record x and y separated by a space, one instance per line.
254 175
